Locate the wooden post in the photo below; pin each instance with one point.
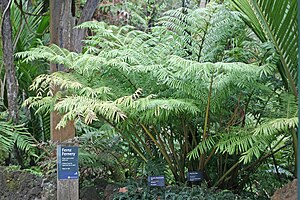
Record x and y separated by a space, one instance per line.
63 134
67 188
63 34
61 25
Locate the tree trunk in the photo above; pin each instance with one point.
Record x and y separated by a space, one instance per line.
8 60
10 70
202 3
79 34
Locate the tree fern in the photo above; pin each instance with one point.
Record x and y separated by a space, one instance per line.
146 87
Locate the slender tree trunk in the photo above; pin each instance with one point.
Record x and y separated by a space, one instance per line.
10 70
202 3
8 60
79 34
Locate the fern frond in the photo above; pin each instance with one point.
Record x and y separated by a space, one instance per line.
203 146
275 126
90 109
102 93
252 144
51 53
11 135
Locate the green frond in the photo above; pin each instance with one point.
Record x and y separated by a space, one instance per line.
102 93
275 126
253 143
11 135
86 158
243 143
159 110
253 152
41 104
88 108
128 101
30 32
51 53
64 81
257 150
204 146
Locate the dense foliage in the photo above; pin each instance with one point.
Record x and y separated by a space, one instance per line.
195 192
175 88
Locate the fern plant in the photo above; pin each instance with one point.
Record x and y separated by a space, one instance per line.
162 100
12 136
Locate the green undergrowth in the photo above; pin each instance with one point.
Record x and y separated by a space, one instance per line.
181 193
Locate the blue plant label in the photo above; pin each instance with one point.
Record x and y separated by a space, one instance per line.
67 162
194 176
156 181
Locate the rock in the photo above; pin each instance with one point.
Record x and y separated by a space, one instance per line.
100 184
89 193
287 192
49 190
23 185
109 191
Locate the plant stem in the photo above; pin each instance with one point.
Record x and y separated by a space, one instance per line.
206 121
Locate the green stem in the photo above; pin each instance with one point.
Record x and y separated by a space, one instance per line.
164 153
225 175
206 121
143 143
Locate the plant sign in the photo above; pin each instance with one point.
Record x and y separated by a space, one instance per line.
194 176
67 162
156 181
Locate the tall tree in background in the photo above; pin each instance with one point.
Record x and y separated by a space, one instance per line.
202 3
62 22
8 60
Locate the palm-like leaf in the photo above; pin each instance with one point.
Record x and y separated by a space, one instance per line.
275 21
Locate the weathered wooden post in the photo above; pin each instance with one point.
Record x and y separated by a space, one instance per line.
61 26
67 171
62 33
